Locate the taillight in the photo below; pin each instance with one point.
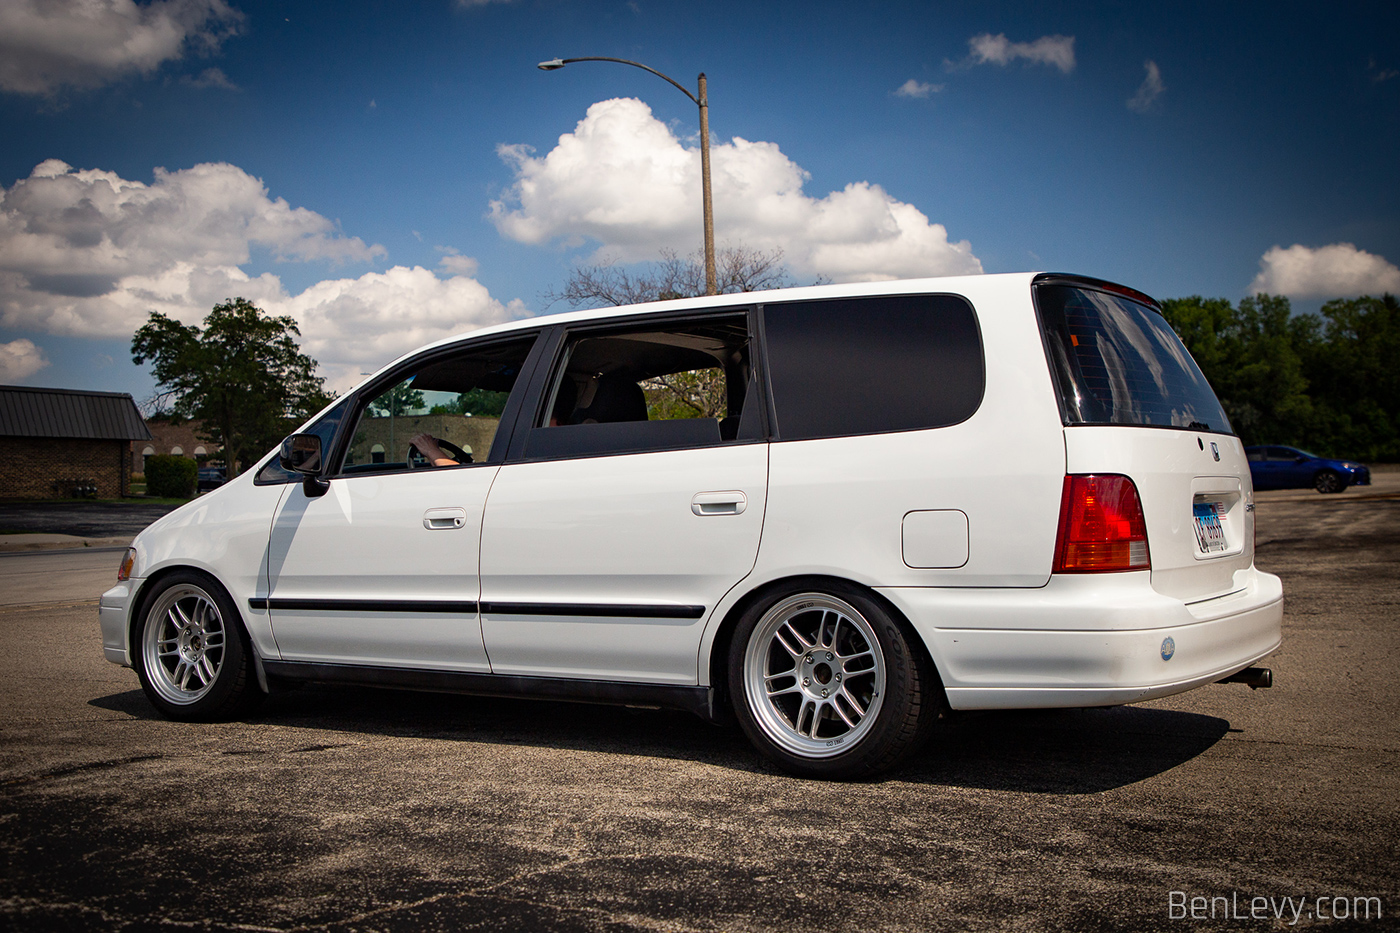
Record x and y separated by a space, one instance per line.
128 564
1101 526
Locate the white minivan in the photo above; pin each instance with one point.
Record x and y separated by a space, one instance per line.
828 513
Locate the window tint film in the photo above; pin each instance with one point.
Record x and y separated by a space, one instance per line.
1118 362
652 388
324 428
867 365
457 399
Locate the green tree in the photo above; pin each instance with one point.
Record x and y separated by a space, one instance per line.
401 400
1355 374
1253 357
242 374
479 402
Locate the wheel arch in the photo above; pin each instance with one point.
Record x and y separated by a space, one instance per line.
718 660
150 585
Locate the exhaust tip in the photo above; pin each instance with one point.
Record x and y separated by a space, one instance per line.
1255 677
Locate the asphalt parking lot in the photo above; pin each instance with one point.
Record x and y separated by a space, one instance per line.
348 809
81 519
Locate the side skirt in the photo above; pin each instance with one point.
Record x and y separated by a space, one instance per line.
697 700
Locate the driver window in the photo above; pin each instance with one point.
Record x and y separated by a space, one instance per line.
455 401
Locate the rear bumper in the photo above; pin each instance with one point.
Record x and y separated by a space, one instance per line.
1047 649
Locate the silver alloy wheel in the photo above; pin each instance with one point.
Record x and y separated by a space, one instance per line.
814 675
182 644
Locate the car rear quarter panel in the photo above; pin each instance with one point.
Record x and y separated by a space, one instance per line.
837 505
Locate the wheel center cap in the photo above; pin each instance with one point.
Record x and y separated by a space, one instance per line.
821 674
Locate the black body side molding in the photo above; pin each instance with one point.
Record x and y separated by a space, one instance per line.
697 700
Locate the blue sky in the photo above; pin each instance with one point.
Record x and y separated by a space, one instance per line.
393 173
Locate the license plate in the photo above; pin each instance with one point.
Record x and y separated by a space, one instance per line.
1210 536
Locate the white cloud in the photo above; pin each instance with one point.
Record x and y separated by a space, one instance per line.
622 179
87 252
1152 88
210 77
356 325
20 359
454 263
1339 270
987 49
90 254
48 44
1381 75
918 90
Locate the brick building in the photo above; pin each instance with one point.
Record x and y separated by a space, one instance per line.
56 443
181 440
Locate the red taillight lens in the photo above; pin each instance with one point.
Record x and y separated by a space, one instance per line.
1101 526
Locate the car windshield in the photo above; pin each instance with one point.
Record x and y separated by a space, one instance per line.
1117 361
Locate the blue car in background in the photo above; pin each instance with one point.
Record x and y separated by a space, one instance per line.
1291 468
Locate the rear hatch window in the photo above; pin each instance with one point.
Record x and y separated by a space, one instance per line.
1117 361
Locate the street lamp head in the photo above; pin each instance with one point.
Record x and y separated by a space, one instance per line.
554 64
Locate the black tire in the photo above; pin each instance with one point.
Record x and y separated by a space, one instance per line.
1327 481
860 697
190 650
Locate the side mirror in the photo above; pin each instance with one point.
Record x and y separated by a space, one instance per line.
301 453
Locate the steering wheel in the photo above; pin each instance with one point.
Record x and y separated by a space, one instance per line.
415 458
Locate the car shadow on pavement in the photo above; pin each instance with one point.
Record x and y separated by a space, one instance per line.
1038 751
1063 751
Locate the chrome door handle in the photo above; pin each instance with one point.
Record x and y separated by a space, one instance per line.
727 502
444 519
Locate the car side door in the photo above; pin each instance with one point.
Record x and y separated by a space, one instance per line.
627 509
378 564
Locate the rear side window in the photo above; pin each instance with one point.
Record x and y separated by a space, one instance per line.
1118 362
870 365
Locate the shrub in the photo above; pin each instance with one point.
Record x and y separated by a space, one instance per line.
171 477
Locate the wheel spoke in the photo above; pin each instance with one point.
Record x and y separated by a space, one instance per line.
851 723
818 709
855 704
208 669
847 659
786 634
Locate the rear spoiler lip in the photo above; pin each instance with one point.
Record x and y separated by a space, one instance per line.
1084 281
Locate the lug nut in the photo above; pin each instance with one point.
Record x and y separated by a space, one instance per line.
838 676
806 682
823 692
830 656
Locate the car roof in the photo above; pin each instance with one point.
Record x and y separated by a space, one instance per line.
967 285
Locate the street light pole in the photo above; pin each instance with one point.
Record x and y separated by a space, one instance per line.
703 102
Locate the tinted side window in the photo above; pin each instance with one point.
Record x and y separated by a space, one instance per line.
868 365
